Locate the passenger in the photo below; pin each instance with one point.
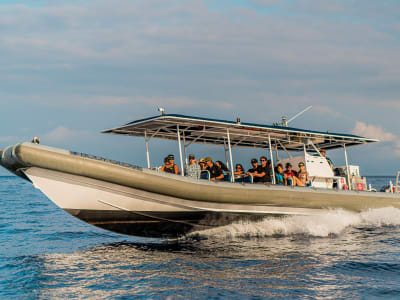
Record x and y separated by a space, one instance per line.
192 169
215 171
238 170
202 164
222 166
253 170
289 174
279 175
264 171
302 178
261 174
170 166
323 153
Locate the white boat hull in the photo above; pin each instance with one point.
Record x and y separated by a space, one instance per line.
136 212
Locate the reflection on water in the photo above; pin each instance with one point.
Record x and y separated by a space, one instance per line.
291 266
46 254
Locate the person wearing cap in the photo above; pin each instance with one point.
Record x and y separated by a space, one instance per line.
202 164
215 172
323 153
253 170
192 169
289 174
170 166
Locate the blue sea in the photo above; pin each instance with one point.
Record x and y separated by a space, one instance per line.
46 253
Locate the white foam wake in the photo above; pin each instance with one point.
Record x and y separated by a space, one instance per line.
332 223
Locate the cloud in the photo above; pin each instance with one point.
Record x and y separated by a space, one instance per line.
262 3
109 61
63 135
10 139
328 111
373 132
378 132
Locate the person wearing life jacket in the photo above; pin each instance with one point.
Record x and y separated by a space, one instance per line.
170 166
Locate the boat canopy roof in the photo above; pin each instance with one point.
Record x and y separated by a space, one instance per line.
211 131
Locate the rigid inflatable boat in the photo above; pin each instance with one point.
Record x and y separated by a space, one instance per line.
132 200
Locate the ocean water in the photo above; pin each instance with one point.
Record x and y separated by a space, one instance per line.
46 253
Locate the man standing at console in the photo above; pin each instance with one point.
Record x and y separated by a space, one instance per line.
323 153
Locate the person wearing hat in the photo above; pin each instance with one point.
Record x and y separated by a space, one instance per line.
323 153
253 170
170 166
289 174
202 164
192 169
215 172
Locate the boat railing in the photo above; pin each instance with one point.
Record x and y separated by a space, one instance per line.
205 174
244 178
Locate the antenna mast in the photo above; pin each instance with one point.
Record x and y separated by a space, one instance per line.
286 122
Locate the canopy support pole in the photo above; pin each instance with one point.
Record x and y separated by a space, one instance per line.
315 148
226 155
272 159
230 155
287 152
185 148
180 150
276 152
146 139
347 167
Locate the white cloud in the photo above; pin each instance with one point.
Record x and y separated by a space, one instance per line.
328 111
373 132
10 139
378 132
63 135
120 59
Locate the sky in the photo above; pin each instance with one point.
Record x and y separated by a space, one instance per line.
69 69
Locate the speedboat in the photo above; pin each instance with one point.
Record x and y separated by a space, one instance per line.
142 201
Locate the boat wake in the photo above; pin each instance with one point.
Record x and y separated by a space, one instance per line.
333 223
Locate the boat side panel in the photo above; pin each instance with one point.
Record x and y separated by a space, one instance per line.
218 192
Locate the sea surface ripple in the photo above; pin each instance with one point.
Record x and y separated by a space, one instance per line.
47 253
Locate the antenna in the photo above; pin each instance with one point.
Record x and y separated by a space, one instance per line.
286 122
299 114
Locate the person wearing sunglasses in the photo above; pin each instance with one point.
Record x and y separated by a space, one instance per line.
238 170
192 169
303 178
169 165
261 174
264 171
